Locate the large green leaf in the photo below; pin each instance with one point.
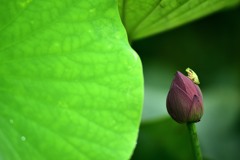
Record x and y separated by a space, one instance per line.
143 18
71 86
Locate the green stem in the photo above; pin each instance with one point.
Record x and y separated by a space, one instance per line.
194 140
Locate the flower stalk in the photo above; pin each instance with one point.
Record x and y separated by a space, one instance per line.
194 141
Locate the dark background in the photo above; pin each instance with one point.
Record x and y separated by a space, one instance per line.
211 47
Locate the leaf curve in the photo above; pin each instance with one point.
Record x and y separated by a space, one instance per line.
144 18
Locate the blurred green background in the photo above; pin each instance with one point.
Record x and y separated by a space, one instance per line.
211 47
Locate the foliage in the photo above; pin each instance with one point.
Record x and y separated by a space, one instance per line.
66 85
71 85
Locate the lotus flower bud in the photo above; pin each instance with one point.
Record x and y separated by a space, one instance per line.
184 100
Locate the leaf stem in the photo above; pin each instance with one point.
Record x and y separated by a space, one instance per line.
194 140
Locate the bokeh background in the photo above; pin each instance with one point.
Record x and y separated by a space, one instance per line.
211 47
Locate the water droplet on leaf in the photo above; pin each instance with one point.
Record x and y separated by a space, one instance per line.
23 138
11 121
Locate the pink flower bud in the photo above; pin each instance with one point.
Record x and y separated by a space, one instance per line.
184 100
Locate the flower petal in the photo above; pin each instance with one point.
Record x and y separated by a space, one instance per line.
185 84
196 110
178 104
179 80
199 93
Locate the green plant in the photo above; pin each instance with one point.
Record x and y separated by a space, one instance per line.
71 85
